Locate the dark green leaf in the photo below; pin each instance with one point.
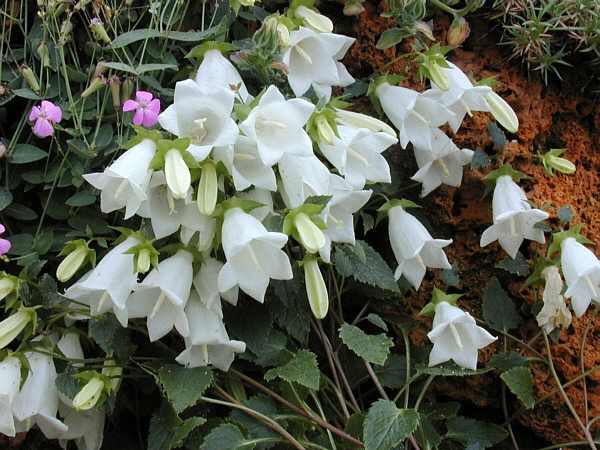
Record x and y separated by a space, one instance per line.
386 426
451 277
518 266
224 437
480 160
66 384
6 198
498 309
391 37
20 212
393 373
108 333
520 382
290 307
373 348
162 428
182 431
449 370
470 431
183 387
565 214
507 361
83 198
497 135
301 369
376 320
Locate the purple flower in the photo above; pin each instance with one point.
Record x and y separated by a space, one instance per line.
4 244
45 116
146 109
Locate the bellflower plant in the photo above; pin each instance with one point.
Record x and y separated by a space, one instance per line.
581 269
10 373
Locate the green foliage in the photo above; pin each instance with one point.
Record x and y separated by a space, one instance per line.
518 266
373 348
183 387
302 368
520 382
386 426
472 432
225 437
498 309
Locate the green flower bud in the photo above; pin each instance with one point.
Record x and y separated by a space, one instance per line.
318 298
89 395
458 32
115 91
13 325
72 263
143 262
311 237
96 84
324 130
99 31
502 112
30 78
44 54
438 76
207 189
266 40
552 160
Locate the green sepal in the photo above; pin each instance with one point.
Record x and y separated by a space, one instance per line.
438 296
536 275
329 114
88 375
489 81
433 55
172 249
144 244
25 366
505 169
179 144
401 202
199 51
573 232
244 204
390 79
128 232
142 133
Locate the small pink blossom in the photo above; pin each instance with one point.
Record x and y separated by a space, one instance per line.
45 116
4 244
146 109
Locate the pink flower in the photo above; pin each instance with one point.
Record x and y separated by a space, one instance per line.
45 116
146 109
4 244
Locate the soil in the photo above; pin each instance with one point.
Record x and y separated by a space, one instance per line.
563 114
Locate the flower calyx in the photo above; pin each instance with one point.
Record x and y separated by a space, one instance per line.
438 296
305 225
77 254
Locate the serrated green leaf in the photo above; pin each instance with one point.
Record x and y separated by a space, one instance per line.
451 277
480 160
449 369
518 266
365 265
183 387
520 382
373 348
386 426
108 333
67 384
377 321
498 309
565 214
182 431
162 428
256 429
225 437
471 431
302 369
507 361
393 373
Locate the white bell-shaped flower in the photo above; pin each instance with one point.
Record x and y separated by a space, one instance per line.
443 164
254 255
414 114
10 374
70 346
260 196
313 59
167 214
514 219
555 312
161 297
277 126
206 283
357 155
37 401
462 98
208 342
216 72
86 428
414 248
124 183
245 166
456 336
581 269
109 284
302 177
358 120
204 117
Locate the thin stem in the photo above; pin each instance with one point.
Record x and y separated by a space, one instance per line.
586 432
582 362
294 408
375 380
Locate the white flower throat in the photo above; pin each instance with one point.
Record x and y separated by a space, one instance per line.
455 335
265 125
197 131
302 53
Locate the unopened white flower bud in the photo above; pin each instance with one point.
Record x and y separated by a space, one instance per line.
13 325
7 287
143 261
439 76
311 237
314 20
324 129
72 263
177 173
502 112
318 298
207 189
89 395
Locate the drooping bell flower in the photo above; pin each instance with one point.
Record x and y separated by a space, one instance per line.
37 401
456 336
45 116
216 72
146 109
414 248
161 297
254 255
277 126
206 283
555 312
125 182
10 374
581 269
313 59
108 285
208 342
302 177
514 218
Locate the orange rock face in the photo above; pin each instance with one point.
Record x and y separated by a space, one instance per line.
561 115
